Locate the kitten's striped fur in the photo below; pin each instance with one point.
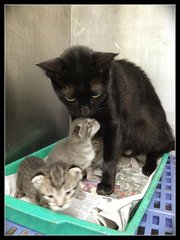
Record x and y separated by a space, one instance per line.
53 186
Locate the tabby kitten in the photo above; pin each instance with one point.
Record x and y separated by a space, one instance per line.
53 186
120 96
77 149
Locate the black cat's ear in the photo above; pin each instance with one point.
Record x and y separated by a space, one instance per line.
52 65
101 58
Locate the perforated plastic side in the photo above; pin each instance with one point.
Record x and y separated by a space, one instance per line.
12 229
159 218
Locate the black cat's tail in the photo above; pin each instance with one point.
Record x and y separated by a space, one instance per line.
170 136
171 145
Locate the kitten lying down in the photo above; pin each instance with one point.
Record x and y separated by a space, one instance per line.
53 186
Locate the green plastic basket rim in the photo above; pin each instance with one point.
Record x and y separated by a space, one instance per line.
28 214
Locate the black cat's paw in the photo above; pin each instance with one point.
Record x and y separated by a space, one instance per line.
147 170
104 189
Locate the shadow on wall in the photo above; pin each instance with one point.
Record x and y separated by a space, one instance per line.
35 117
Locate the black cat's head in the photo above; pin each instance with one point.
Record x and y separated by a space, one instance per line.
80 77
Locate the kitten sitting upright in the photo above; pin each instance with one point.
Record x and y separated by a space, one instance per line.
78 149
53 186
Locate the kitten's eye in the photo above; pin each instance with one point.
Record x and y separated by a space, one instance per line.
68 192
71 99
50 196
96 95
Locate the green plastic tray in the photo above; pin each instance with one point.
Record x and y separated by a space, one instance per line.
49 222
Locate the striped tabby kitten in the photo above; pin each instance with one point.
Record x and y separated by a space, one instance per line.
78 149
53 186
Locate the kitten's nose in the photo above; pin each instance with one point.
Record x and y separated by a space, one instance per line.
84 111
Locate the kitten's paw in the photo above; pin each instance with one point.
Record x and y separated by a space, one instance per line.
104 189
19 194
147 170
43 204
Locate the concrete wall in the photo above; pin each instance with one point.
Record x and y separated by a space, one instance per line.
143 34
34 115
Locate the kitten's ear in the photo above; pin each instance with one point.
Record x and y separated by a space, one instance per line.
38 180
77 131
76 172
101 58
52 65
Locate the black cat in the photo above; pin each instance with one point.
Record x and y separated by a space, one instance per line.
120 96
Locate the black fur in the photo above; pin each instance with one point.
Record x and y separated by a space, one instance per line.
128 109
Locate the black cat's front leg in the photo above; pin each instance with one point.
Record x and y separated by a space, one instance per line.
111 140
151 163
106 186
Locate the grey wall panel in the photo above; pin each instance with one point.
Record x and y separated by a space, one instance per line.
34 115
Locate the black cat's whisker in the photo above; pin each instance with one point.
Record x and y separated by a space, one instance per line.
102 107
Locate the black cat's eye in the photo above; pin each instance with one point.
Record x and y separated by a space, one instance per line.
70 99
100 70
96 95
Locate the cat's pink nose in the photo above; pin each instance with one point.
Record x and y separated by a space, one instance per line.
85 111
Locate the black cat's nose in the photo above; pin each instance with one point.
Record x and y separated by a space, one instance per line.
84 111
